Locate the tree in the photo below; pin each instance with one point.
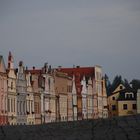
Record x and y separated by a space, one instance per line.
135 84
126 83
107 85
117 80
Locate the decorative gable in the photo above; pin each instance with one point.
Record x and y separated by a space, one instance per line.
119 87
2 65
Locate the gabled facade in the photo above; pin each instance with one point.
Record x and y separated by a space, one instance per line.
61 84
79 73
37 91
89 99
21 86
112 100
70 101
3 93
74 99
95 74
30 100
122 101
105 104
52 98
84 98
12 94
98 90
48 99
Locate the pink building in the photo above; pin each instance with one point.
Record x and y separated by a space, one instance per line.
3 93
35 76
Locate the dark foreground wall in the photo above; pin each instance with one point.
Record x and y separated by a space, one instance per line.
121 128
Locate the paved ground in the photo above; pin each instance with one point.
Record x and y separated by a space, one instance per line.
118 128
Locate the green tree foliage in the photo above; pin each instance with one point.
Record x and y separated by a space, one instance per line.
117 80
107 84
135 84
110 87
126 83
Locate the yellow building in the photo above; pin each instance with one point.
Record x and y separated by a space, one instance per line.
138 101
122 101
112 101
127 103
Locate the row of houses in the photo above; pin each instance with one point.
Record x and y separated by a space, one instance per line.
37 96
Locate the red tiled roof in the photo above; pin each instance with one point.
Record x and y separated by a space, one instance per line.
87 71
79 72
34 71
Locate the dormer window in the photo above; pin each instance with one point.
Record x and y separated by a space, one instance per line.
129 95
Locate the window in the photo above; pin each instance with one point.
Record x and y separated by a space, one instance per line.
125 106
113 107
129 95
14 105
49 82
8 105
11 105
121 87
11 85
113 98
134 106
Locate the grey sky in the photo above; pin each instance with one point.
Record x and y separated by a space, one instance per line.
79 32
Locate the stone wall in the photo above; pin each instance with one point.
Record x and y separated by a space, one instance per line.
117 128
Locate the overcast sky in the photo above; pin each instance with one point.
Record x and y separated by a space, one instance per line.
73 32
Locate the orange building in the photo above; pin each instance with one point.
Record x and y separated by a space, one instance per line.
78 72
63 92
96 90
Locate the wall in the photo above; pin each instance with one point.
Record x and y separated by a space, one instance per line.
118 128
129 110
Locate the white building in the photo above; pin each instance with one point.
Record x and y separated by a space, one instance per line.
48 98
21 86
98 90
12 95
29 101
104 94
74 99
84 98
89 99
